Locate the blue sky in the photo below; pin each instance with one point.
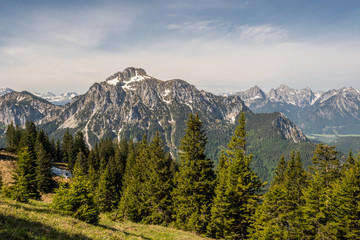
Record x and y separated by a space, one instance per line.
217 45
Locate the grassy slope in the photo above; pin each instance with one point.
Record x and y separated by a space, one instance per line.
35 220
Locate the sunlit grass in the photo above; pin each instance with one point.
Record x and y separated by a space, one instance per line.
35 220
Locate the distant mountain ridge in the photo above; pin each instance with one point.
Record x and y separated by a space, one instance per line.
131 103
331 112
61 99
4 91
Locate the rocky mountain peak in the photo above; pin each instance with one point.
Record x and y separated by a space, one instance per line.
4 91
127 74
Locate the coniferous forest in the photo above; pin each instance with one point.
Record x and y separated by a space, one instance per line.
141 182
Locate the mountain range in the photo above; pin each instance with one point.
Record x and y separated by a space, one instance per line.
131 103
315 112
61 99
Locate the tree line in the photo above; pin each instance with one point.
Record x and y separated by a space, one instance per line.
141 182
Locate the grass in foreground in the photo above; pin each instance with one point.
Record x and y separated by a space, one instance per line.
35 220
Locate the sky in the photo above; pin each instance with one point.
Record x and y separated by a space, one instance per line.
217 45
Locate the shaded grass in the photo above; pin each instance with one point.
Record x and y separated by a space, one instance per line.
35 220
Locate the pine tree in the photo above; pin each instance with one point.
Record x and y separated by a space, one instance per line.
77 199
94 158
276 218
159 184
313 218
345 204
69 153
28 137
280 172
43 170
240 195
216 227
194 183
105 195
270 221
25 186
132 204
80 145
12 138
326 163
82 163
58 157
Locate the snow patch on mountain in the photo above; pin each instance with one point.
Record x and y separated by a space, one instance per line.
61 99
4 91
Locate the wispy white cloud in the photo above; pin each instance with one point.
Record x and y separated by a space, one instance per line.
56 50
261 33
79 27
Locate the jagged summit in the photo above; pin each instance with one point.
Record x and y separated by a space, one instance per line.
127 74
4 91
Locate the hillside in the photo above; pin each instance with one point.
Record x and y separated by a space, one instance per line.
35 220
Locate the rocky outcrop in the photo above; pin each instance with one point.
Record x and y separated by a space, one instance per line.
19 107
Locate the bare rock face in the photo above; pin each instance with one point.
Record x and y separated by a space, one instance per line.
289 130
331 112
131 103
19 107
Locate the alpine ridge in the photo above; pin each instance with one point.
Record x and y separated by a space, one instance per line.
331 112
130 104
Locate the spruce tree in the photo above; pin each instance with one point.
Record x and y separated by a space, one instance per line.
216 227
105 194
25 181
43 170
69 153
12 138
280 172
28 137
326 163
80 145
277 217
77 199
82 163
194 183
345 204
159 184
236 202
132 204
313 218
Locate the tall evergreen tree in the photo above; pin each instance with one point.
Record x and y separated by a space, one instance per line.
276 218
43 170
345 204
105 194
28 137
80 144
315 213
12 138
326 163
82 163
235 204
194 183
132 204
280 172
77 199
159 184
69 152
313 218
25 186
